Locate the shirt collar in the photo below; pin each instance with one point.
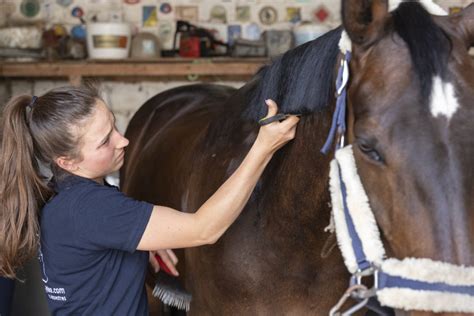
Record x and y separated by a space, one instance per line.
68 180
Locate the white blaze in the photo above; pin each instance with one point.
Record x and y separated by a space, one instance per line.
443 98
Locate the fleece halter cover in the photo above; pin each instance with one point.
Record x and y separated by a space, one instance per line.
411 284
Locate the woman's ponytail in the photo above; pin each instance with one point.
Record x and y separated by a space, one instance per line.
23 191
35 130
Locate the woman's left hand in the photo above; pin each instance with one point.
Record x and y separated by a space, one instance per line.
168 257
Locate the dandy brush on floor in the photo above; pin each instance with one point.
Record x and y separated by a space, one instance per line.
169 289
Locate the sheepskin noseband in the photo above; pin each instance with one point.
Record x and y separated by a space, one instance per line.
411 283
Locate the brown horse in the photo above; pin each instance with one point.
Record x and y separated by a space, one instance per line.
410 113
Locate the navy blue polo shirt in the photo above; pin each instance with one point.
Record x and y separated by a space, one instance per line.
89 236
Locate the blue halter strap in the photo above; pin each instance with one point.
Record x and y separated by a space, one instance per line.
339 118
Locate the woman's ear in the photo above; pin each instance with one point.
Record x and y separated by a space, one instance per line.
66 163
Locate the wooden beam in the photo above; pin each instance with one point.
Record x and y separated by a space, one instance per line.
161 68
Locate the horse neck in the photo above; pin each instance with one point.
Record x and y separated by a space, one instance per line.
296 181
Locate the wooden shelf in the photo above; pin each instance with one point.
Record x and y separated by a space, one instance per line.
161 68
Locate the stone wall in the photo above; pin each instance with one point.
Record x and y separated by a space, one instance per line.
126 97
123 98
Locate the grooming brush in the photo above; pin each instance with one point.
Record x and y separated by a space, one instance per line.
169 289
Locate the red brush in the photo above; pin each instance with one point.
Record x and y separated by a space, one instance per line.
168 288
163 265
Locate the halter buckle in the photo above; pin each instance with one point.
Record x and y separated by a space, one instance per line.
356 279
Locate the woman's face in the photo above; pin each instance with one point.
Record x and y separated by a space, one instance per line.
102 146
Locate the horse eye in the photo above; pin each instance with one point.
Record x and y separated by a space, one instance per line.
370 152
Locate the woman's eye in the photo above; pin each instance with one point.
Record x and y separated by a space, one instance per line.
370 152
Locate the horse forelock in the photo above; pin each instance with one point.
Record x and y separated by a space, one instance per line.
301 81
428 44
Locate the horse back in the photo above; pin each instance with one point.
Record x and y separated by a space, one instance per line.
164 134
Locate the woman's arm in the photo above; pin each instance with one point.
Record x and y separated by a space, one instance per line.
168 228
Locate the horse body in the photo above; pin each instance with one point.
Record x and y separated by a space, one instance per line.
415 160
236 275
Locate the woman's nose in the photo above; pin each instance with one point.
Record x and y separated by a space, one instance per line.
122 142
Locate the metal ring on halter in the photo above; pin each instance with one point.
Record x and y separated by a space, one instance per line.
356 279
348 294
341 142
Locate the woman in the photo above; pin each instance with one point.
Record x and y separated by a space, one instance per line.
95 241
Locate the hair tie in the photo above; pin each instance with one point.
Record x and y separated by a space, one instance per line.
33 101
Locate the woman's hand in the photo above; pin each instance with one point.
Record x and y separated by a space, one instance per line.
274 135
168 257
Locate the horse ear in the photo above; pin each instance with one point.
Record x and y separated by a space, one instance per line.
364 20
465 21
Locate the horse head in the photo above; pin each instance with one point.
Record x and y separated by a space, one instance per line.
410 111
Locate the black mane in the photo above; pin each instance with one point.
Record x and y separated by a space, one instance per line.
301 81
428 44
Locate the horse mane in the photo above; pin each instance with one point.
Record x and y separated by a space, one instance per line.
301 81
429 45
